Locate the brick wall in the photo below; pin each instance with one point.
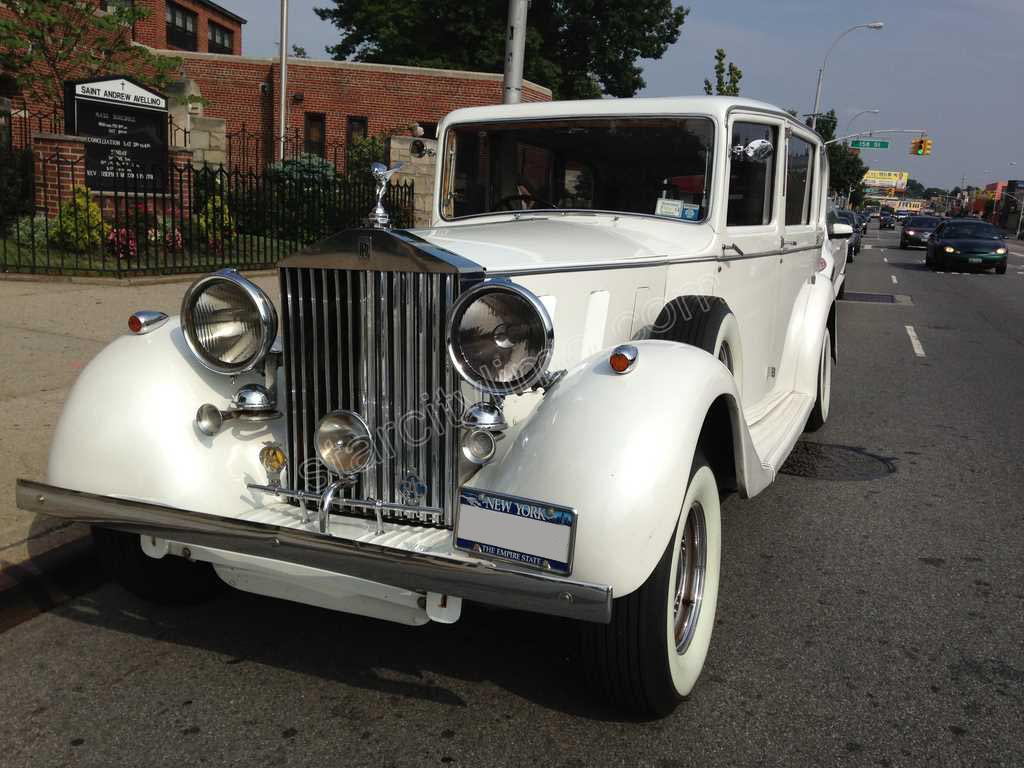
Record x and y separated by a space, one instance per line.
60 167
243 91
153 31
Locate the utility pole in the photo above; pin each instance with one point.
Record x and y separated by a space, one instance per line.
515 51
283 108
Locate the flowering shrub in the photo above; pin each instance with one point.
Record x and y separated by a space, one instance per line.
216 224
123 243
79 226
165 232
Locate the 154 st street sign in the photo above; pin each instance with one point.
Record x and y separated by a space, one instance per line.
869 144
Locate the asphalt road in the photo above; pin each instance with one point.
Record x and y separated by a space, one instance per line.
871 608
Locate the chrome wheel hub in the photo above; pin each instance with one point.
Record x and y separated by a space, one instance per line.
690 577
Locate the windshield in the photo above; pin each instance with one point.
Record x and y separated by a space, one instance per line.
650 165
979 231
923 222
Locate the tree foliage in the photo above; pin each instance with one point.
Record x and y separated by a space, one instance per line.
846 169
50 41
915 188
727 79
578 48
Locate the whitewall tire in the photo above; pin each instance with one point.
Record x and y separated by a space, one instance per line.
823 399
652 652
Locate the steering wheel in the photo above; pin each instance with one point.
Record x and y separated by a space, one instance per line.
506 202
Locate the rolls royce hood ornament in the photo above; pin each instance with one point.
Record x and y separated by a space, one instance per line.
382 176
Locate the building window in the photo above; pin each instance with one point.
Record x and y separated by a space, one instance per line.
221 39
181 28
315 130
429 129
357 129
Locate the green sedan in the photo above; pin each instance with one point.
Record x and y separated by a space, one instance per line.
966 242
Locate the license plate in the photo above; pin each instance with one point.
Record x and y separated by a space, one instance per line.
531 533
974 260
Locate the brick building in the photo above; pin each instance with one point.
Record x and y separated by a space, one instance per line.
329 104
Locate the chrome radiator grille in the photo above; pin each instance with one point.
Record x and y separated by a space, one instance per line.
374 342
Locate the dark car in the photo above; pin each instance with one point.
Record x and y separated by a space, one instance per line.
887 221
966 242
917 230
849 217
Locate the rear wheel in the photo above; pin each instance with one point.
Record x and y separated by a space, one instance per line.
823 401
169 579
650 656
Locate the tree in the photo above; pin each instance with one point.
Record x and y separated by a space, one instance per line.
846 169
915 188
727 79
299 52
934 192
570 47
50 41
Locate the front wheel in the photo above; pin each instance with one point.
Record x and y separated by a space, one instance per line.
1001 269
823 401
652 652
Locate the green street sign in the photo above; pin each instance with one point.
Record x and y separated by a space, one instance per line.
870 144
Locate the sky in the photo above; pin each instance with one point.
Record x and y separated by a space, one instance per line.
954 68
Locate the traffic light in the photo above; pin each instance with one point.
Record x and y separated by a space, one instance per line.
917 147
926 146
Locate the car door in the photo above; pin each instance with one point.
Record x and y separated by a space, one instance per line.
801 237
749 266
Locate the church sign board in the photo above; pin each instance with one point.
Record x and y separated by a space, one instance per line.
125 128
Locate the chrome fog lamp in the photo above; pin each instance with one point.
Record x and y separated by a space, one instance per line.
343 442
500 337
478 446
228 322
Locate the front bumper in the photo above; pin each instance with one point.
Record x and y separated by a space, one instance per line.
987 259
479 580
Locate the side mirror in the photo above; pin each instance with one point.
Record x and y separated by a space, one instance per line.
757 150
840 231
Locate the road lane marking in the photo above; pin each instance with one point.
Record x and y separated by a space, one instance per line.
885 259
894 281
914 341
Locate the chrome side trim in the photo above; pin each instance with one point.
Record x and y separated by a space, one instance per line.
483 581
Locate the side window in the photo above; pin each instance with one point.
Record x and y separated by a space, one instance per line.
799 176
751 180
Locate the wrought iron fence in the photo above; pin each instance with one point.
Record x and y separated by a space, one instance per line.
179 219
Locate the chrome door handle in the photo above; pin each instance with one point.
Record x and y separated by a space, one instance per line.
783 242
731 247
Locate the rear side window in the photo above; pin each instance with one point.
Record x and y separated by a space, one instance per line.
799 180
751 181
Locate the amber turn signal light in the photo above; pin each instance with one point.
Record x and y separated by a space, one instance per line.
623 358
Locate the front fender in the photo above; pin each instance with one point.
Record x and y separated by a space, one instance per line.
618 448
128 429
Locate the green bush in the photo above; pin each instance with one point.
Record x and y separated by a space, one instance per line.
216 225
304 193
30 232
79 226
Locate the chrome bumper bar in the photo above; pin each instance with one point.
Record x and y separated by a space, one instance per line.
483 582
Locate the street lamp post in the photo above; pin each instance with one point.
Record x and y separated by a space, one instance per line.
821 72
849 124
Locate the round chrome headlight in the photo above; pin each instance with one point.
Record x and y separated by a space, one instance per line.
228 322
343 442
500 338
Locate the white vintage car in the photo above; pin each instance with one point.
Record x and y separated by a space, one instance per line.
622 310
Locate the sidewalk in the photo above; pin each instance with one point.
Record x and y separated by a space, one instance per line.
49 331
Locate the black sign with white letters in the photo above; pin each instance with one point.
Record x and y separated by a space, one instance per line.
125 127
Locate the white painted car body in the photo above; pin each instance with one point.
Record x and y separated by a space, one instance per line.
615 448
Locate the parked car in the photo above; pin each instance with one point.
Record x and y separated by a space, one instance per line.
917 230
534 403
967 242
853 246
888 221
901 215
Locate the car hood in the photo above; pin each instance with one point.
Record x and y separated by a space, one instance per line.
569 242
973 245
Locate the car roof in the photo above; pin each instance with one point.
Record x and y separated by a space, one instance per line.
716 106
